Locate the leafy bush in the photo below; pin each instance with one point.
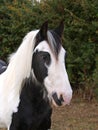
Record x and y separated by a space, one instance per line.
17 17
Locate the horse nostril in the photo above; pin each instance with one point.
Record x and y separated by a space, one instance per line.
57 101
61 98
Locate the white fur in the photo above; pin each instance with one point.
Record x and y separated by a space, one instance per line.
57 79
11 80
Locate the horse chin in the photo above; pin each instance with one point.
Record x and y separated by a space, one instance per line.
59 105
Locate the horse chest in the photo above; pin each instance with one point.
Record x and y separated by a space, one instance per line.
9 106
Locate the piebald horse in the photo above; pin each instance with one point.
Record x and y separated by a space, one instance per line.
38 62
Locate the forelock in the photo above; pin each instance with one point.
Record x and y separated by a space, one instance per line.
53 40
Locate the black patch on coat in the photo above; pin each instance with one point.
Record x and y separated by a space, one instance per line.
40 61
34 112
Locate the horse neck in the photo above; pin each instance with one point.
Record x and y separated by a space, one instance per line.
35 90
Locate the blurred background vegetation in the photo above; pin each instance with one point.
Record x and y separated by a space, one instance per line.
80 39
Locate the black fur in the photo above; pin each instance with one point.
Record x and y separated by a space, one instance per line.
39 62
34 112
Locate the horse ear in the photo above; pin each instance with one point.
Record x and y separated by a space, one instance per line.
43 30
59 30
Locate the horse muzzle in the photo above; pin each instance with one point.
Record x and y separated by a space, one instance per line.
60 101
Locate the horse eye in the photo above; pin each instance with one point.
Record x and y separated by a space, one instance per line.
46 58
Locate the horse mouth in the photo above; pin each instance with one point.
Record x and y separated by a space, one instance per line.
58 101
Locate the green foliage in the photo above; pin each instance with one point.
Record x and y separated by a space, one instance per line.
95 74
14 22
17 17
